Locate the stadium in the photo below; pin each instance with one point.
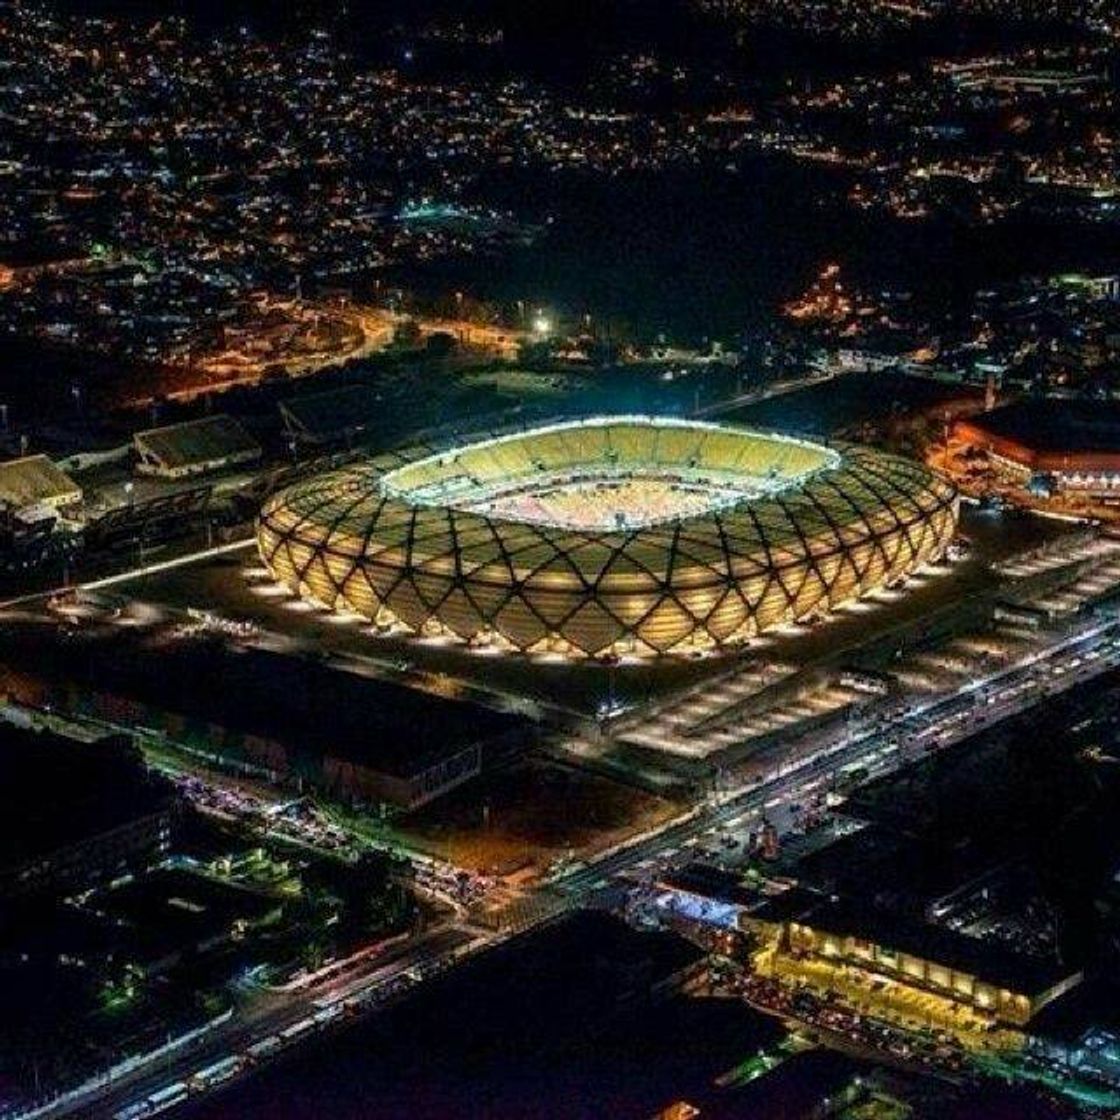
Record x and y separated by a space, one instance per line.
611 536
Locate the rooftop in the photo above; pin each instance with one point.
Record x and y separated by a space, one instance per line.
583 969
34 479
309 707
197 443
1076 426
325 416
861 919
55 793
707 881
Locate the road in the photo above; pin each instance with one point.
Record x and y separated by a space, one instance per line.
268 1023
884 744
777 389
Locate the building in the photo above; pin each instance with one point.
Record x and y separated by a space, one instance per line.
1060 445
73 815
886 351
997 76
706 904
35 483
857 940
567 979
213 443
174 916
360 739
610 536
336 416
1092 287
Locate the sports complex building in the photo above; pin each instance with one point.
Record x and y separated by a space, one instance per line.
628 536
1070 445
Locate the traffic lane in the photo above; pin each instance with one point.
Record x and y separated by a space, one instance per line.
952 714
264 1020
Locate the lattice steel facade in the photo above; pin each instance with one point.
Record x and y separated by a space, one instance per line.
388 539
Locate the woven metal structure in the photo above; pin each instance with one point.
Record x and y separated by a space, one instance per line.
571 538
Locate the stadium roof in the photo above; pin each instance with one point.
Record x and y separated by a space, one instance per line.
396 544
196 445
321 417
34 480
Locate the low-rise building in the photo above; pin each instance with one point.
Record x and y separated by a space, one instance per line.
1074 445
73 815
360 739
34 483
195 447
997 983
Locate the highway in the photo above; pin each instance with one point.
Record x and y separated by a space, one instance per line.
884 743
268 1023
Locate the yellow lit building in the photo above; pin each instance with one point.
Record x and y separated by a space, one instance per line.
625 536
991 981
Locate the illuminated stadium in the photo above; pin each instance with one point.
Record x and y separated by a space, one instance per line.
608 536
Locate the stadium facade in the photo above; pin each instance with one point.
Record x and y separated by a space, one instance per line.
607 536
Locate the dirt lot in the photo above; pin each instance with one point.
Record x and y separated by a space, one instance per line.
531 814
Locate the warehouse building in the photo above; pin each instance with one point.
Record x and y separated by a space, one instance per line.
195 447
36 483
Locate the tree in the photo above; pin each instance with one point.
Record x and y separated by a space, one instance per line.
533 353
373 897
440 344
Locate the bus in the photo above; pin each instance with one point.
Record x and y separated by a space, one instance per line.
216 1073
871 684
265 1048
167 1097
1020 614
133 1111
289 1034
